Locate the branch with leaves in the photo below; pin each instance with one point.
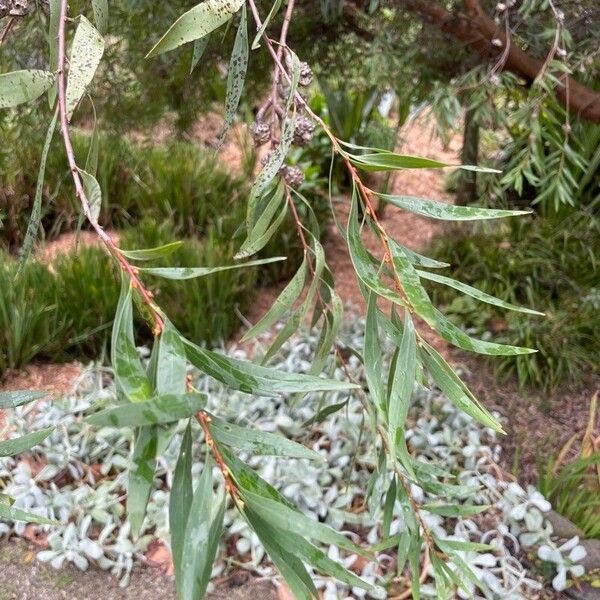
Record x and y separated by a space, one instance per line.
155 397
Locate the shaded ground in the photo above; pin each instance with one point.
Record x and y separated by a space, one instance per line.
22 577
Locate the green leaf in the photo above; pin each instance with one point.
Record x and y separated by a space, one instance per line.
454 389
373 355
283 517
199 547
388 508
361 260
422 261
448 212
161 409
18 87
180 500
258 442
100 8
196 23
389 161
475 293
411 284
315 557
152 253
182 273
130 377
325 412
404 380
454 510
54 9
9 513
274 10
236 76
199 48
36 212
462 546
333 322
290 567
93 193
25 442
86 53
171 362
254 379
91 160
284 302
20 397
141 476
456 336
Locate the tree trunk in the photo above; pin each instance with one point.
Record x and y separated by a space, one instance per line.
467 186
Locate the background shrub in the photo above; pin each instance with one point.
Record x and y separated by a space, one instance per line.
550 267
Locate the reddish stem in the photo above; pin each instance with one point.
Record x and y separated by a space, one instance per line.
110 244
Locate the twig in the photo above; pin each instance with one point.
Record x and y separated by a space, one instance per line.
110 244
7 29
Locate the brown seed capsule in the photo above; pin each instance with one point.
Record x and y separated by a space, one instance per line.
306 74
304 131
260 132
293 176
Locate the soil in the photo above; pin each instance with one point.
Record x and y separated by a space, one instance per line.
25 578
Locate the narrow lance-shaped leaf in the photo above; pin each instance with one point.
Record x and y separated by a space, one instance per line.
411 284
182 273
456 336
284 302
20 397
287 519
199 48
18 87
166 408
475 293
454 389
404 380
291 568
93 193
23 443
36 212
197 546
274 10
236 75
196 23
331 327
54 10
141 476
258 442
100 8
86 52
151 253
171 362
130 377
373 355
254 379
448 212
180 500
361 260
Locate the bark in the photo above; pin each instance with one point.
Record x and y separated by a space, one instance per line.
476 30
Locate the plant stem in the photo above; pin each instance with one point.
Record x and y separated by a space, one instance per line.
110 244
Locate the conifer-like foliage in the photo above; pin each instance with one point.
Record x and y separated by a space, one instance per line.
155 397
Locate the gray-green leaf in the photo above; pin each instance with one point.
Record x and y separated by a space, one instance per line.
25 442
18 87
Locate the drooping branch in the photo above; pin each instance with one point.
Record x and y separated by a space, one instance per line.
480 33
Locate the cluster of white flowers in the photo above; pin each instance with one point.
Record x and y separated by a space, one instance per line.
91 466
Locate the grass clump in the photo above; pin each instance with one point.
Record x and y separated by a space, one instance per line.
541 264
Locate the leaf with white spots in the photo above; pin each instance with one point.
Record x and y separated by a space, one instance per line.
195 24
86 52
18 87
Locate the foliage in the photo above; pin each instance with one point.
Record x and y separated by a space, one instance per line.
572 485
330 490
30 322
399 482
540 264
